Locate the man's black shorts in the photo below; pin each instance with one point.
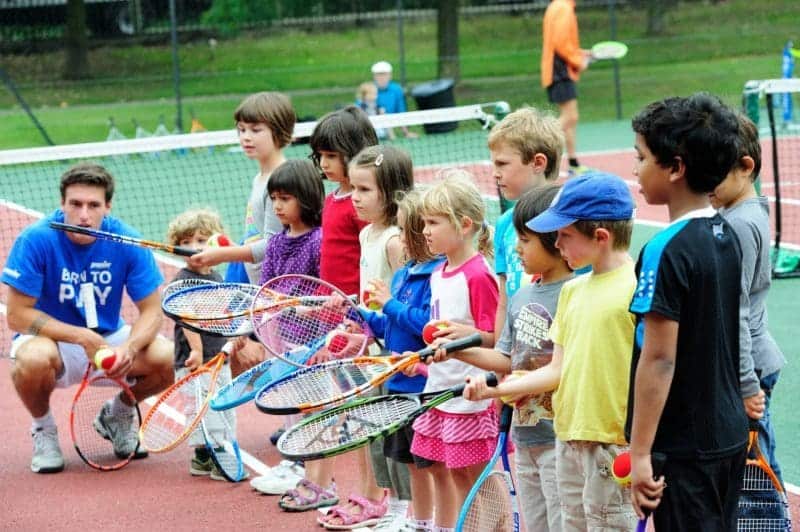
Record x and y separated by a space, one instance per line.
562 91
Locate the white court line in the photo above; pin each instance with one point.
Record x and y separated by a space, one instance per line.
248 459
791 488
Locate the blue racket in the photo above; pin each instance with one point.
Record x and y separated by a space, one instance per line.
244 388
491 504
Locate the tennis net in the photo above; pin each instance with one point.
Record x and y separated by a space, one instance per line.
160 177
770 104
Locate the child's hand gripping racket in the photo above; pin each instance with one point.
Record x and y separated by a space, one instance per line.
316 387
176 412
95 390
762 502
491 504
307 309
357 422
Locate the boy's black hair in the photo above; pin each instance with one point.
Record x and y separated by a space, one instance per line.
700 130
88 173
530 205
300 178
750 146
346 132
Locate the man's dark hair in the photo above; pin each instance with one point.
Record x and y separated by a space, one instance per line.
88 173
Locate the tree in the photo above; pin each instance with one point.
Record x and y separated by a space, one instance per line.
447 36
76 42
656 14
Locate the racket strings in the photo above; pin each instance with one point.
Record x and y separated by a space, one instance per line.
761 505
347 425
491 507
319 384
205 302
96 450
173 416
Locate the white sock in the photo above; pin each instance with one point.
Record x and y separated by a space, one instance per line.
44 422
118 407
444 529
398 506
422 524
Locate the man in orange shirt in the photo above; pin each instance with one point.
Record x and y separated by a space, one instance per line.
562 62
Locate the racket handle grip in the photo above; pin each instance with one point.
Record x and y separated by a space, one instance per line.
491 380
473 340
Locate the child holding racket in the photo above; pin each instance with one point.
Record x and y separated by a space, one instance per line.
377 175
336 139
192 229
458 436
523 346
685 388
526 149
748 213
592 335
265 123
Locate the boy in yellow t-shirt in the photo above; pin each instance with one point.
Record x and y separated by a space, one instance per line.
592 334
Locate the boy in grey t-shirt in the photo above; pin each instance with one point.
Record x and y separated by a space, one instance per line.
524 346
748 213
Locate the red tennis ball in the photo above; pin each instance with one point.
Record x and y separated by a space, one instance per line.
335 342
429 329
104 358
218 240
621 468
365 297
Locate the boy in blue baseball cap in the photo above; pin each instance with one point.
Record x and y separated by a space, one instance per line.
592 333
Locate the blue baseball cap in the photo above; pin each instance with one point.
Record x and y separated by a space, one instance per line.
591 196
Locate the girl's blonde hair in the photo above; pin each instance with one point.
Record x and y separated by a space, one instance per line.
393 173
410 204
455 196
206 221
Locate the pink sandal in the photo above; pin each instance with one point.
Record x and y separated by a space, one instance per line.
369 513
294 501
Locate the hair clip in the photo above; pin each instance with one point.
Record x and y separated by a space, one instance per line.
379 159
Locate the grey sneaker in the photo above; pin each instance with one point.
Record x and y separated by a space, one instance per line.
121 431
47 457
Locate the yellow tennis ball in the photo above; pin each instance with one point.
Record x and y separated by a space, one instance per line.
104 358
511 399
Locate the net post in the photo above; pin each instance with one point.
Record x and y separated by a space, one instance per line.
776 180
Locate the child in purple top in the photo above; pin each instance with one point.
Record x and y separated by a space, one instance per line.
297 193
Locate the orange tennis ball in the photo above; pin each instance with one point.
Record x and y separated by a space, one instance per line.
218 240
104 358
621 469
335 342
429 329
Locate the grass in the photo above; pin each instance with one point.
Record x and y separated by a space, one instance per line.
708 47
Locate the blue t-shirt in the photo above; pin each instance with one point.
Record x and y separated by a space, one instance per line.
392 99
506 258
46 265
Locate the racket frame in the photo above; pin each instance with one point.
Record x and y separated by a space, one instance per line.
393 364
86 382
212 367
124 239
230 446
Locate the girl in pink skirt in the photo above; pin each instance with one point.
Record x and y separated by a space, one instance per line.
458 436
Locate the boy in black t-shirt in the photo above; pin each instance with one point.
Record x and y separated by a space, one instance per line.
684 394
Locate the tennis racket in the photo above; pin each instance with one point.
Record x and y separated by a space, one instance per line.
220 440
609 50
491 504
124 239
176 412
94 391
307 309
231 327
315 387
358 422
762 502
246 385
